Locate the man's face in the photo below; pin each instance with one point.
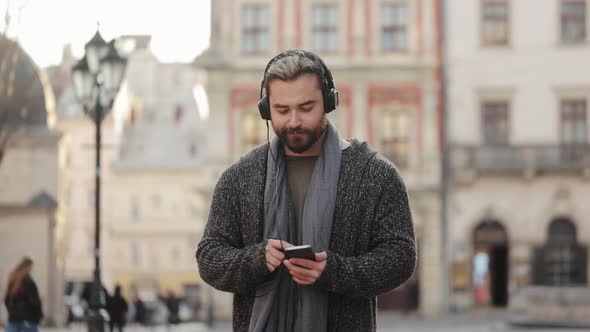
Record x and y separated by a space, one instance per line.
297 112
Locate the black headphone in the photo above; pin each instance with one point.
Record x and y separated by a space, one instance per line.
329 91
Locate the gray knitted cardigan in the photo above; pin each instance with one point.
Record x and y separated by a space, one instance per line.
372 245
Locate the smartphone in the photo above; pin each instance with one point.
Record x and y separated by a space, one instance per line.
304 251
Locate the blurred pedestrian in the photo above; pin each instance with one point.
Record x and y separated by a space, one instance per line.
87 297
139 309
173 305
117 308
22 299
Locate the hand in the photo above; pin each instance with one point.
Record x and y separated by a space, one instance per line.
305 271
274 253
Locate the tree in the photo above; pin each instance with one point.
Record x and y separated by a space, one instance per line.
16 85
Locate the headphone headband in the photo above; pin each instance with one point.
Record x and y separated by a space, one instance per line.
307 54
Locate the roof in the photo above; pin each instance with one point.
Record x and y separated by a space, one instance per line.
42 200
25 95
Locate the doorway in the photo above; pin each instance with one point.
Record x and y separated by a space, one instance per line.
490 265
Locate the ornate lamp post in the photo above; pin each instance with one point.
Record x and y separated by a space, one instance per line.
97 78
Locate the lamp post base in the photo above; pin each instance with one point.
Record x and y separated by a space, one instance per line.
96 322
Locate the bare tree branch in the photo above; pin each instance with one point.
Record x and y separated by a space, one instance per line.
12 102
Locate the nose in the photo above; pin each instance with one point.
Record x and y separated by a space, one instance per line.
294 121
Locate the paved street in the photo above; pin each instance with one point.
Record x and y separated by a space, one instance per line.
386 323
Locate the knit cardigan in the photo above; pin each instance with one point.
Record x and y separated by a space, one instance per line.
372 246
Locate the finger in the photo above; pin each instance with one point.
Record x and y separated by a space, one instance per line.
294 274
271 249
302 272
270 267
274 243
276 254
321 256
273 261
303 262
303 281
279 244
287 244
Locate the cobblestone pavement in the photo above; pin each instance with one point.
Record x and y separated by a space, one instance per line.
387 322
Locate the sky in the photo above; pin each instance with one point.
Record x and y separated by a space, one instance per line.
179 28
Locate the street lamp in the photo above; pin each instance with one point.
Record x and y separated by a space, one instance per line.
97 78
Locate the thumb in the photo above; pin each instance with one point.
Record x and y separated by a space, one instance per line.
321 256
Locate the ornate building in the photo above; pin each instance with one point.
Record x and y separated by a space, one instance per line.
29 169
384 58
156 210
518 108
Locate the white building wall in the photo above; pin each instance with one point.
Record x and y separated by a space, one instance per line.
357 73
532 72
534 69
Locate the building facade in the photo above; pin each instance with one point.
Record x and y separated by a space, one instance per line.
29 169
384 57
518 95
156 208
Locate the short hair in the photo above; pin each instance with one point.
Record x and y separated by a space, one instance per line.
291 67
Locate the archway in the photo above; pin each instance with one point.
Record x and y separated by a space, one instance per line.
490 264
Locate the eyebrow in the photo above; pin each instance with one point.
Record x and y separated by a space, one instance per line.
305 103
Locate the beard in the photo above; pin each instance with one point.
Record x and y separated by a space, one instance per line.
301 139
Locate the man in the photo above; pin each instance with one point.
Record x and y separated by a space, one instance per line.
308 186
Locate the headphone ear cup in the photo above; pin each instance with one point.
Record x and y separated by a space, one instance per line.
264 108
331 100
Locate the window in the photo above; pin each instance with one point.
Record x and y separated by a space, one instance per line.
134 209
325 28
395 137
494 26
573 21
394 27
192 149
255 29
574 130
134 254
561 261
178 113
253 131
495 122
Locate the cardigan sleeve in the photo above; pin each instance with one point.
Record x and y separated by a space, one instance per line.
223 261
391 258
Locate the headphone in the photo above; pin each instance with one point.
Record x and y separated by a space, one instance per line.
329 91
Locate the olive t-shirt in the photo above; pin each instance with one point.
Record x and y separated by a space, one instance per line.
299 172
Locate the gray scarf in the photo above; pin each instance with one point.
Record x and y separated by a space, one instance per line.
280 305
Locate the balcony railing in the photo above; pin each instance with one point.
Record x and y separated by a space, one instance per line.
509 158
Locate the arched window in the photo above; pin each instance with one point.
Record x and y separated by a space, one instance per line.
561 261
562 231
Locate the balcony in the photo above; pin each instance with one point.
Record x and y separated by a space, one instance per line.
526 159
